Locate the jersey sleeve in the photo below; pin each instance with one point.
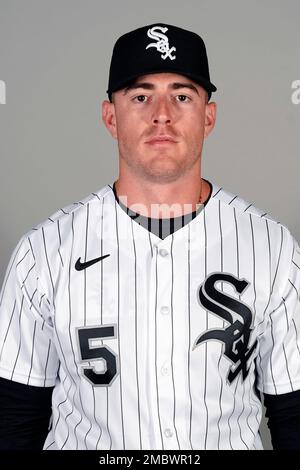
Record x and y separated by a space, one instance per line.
27 350
278 365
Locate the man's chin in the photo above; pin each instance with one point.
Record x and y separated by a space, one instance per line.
159 175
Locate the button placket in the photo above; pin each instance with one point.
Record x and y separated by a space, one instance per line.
164 346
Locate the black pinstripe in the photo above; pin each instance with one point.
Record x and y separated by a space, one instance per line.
8 328
189 336
254 302
238 275
31 300
77 389
239 416
259 359
271 367
20 339
59 238
85 255
254 268
155 326
136 326
67 369
70 339
223 326
279 259
295 264
172 349
73 352
95 419
19 262
46 255
77 424
219 190
233 412
206 328
32 352
230 201
49 347
62 403
107 396
255 415
150 242
40 302
101 317
266 308
32 267
286 361
271 319
119 334
297 293
102 268
85 305
238 271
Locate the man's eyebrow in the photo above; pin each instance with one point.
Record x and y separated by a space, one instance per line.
151 86
134 86
177 85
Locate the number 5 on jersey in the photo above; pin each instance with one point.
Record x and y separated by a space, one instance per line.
89 339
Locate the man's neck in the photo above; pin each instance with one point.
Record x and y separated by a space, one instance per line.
163 200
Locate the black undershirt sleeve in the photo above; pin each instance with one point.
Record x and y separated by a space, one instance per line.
24 415
283 412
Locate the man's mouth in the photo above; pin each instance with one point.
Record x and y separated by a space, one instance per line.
161 140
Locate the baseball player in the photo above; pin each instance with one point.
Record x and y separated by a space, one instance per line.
159 311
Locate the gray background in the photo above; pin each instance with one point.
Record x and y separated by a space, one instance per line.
54 59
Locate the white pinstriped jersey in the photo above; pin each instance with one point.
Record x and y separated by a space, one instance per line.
160 344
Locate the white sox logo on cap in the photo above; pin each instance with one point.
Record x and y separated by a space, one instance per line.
162 44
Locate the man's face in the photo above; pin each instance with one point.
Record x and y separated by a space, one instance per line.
165 106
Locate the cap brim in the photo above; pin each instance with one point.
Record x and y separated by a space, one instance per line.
206 84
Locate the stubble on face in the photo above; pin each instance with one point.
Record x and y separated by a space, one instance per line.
157 165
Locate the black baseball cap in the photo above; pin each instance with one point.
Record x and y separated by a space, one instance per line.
158 48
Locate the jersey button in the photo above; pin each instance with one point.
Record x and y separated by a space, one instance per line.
168 432
163 252
165 310
165 370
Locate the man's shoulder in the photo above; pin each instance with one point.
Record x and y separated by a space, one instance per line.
246 213
242 206
65 213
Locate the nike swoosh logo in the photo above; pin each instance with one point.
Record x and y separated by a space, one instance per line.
80 266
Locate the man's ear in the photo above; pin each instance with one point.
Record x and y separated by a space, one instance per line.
109 118
210 118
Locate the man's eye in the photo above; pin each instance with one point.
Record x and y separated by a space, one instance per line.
140 98
182 98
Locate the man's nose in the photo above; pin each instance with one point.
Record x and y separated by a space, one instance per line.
162 113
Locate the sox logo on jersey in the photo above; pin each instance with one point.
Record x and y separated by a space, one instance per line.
236 336
162 44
